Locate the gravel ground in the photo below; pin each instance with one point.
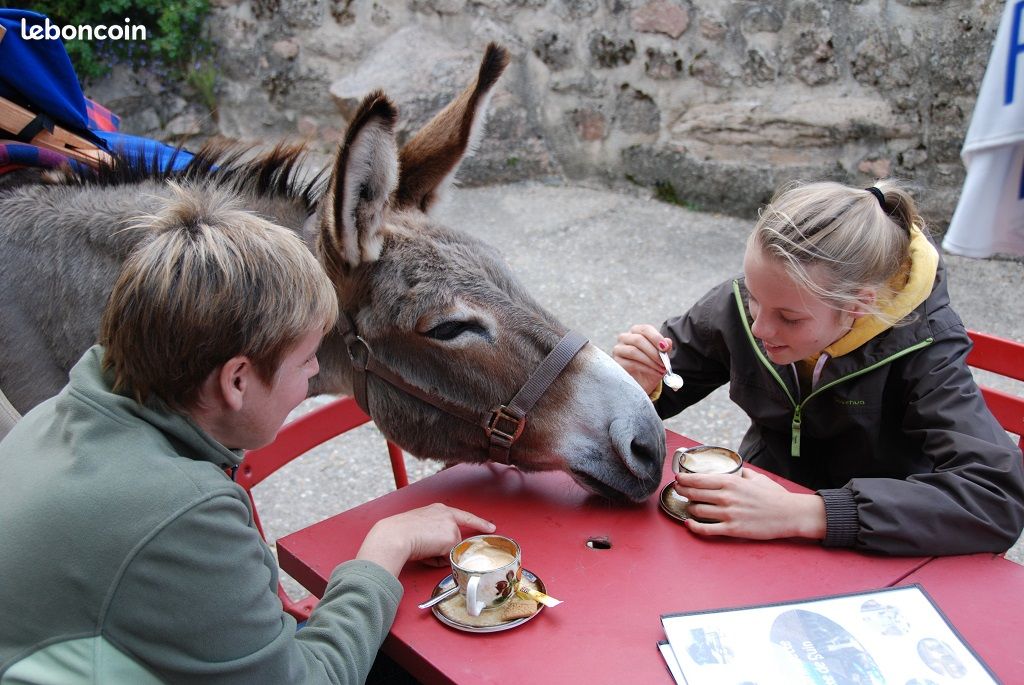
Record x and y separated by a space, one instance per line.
601 260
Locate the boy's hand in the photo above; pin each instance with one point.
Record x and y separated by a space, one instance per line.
426 533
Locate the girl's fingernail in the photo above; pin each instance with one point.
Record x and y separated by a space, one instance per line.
663 344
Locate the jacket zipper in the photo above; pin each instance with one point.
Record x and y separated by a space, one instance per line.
794 445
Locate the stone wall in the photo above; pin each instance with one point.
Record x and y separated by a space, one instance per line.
712 102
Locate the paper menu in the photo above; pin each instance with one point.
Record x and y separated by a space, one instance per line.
893 636
670 661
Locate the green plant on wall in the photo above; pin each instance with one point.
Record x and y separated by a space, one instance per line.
203 80
173 47
666 192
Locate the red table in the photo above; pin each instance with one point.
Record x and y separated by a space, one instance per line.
983 597
607 628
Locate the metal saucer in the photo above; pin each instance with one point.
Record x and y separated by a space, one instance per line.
453 622
671 504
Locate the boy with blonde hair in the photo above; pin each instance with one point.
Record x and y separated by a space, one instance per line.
130 555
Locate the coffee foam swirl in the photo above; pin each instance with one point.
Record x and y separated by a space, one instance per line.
481 556
709 461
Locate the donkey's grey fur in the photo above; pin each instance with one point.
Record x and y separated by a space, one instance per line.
435 305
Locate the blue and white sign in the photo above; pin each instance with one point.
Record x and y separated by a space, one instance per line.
989 218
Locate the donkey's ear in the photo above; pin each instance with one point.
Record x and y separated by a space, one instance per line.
429 161
362 181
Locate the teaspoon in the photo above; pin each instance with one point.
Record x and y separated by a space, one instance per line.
672 380
439 598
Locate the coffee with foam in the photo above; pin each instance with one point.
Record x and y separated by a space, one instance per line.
706 459
710 461
701 459
481 556
487 570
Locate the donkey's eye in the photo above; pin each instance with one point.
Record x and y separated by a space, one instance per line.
449 330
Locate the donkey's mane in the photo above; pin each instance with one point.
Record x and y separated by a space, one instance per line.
231 166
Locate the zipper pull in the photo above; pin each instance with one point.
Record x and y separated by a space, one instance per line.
794 447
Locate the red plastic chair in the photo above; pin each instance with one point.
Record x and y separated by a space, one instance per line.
294 440
1006 358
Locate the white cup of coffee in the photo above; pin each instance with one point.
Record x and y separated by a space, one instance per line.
487 569
704 459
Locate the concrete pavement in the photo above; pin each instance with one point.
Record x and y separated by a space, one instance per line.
600 260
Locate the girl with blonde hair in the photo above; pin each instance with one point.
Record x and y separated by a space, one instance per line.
840 344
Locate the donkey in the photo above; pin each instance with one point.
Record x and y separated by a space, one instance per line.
435 331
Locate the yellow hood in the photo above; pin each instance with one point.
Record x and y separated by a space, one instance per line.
924 261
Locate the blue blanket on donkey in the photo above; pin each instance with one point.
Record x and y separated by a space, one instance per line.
37 74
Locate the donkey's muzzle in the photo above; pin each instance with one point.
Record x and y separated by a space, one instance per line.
639 443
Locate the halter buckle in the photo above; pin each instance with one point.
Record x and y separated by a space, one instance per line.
505 426
358 352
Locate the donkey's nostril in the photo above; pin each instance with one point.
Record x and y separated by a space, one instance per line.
640 447
644 450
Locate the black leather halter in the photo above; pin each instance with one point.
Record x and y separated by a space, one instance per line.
503 424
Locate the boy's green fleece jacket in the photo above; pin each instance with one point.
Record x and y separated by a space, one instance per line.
129 556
